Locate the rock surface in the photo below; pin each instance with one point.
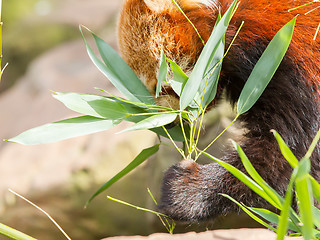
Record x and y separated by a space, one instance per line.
231 234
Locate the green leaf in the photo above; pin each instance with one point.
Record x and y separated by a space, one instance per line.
201 67
93 105
273 195
175 132
286 208
242 177
65 129
266 214
315 189
136 207
285 150
209 85
179 77
272 217
154 121
211 88
162 73
265 68
248 210
304 168
293 161
305 197
316 216
13 234
142 156
313 145
118 72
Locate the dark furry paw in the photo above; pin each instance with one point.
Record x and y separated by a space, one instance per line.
187 191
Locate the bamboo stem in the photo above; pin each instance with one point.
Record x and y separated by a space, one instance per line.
1 24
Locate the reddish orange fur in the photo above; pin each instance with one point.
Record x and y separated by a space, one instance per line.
178 38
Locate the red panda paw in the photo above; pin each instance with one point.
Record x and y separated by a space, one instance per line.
188 191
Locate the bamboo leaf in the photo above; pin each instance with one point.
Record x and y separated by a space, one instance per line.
136 207
285 212
65 129
142 156
118 72
162 73
272 217
316 216
179 77
249 212
265 68
285 150
305 197
209 84
201 67
276 198
313 145
154 121
293 161
315 189
242 177
93 105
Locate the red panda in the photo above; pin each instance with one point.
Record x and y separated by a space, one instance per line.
290 103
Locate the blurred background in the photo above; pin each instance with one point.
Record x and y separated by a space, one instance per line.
45 52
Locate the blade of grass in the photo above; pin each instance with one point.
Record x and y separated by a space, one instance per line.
316 216
285 150
194 27
174 144
293 161
273 217
315 189
142 156
40 209
164 220
136 207
285 212
243 178
1 56
313 145
276 198
248 211
13 233
305 197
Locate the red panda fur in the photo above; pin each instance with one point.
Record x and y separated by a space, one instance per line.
290 104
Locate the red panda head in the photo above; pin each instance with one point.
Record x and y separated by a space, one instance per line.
147 27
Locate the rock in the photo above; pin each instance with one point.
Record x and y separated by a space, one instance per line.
232 234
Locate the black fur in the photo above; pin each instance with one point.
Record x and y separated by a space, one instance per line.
290 105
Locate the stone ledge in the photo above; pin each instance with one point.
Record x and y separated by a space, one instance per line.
230 234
